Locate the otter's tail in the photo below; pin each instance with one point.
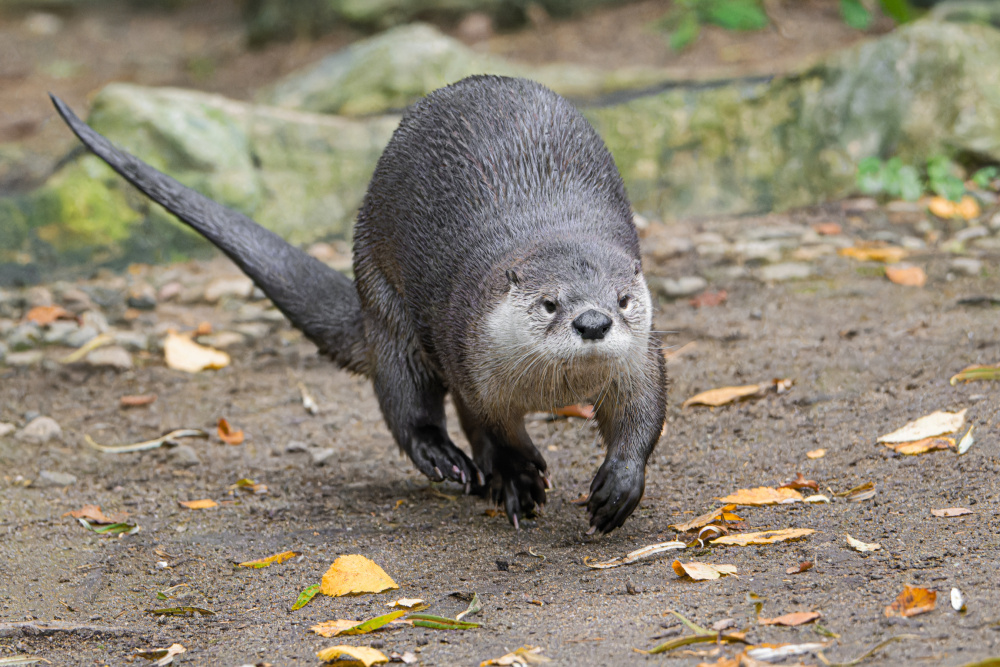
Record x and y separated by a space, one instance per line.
319 301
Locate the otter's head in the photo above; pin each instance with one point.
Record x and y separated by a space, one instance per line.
573 317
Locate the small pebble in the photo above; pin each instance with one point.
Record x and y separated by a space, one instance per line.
59 331
680 287
76 300
80 337
52 478
966 265
6 429
111 356
296 446
3 351
135 341
27 358
38 296
183 456
96 320
238 286
321 455
785 271
222 340
142 297
970 233
170 291
24 337
40 430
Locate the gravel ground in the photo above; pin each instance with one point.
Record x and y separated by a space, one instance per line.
866 357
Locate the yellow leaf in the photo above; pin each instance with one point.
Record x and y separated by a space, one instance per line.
912 601
763 495
702 571
858 545
183 354
793 619
978 372
908 276
941 207
922 446
407 603
270 560
764 537
352 575
951 511
723 395
333 628
968 208
816 454
869 253
723 513
928 426
199 504
363 654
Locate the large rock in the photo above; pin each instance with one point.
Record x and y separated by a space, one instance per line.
394 69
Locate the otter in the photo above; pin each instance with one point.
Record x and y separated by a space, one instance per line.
495 260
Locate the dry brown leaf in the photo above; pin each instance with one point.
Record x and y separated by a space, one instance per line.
816 454
800 482
579 410
908 276
183 354
702 571
353 575
93 514
228 435
764 537
526 655
763 495
270 560
791 620
136 400
912 601
723 395
204 329
199 504
874 253
949 512
827 228
928 426
330 629
44 315
922 446
800 568
721 514
365 655
863 547
709 299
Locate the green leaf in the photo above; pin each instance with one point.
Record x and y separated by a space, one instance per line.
899 10
941 174
910 184
985 176
111 528
181 611
439 622
869 179
736 14
374 623
855 14
305 597
685 32
475 606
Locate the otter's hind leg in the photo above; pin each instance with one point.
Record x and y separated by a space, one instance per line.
513 467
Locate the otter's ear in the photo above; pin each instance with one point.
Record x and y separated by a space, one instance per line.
511 276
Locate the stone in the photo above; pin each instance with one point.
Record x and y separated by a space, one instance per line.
776 273
53 478
81 336
6 429
253 330
183 456
26 358
59 331
24 336
966 265
296 446
969 233
111 356
75 300
96 320
662 247
141 297
136 341
40 431
38 296
758 251
3 351
320 455
680 287
222 339
233 286
170 291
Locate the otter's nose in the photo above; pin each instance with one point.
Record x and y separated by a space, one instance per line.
592 325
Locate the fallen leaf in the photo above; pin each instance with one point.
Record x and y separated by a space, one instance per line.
110 529
957 600
406 603
440 622
579 410
407 657
936 423
334 628
45 315
721 514
968 208
778 652
522 657
858 493
633 556
137 400
183 354
816 454
270 560
858 545
353 575
93 514
228 435
88 347
941 207
167 439
308 402
801 567
702 571
874 253
162 656
791 620
912 601
709 299
763 495
764 537
976 373
198 504
305 597
800 482
827 228
249 486
204 329
363 654
723 395
966 442
475 606
951 511
908 276
922 446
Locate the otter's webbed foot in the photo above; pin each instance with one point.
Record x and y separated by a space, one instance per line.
437 457
517 484
614 494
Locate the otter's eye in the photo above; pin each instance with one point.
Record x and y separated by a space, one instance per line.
549 305
624 301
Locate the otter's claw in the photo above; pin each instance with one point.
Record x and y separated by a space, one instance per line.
518 485
614 494
438 458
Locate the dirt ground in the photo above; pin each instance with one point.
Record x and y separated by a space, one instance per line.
866 356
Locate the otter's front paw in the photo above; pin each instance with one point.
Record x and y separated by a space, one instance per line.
438 458
518 485
615 493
